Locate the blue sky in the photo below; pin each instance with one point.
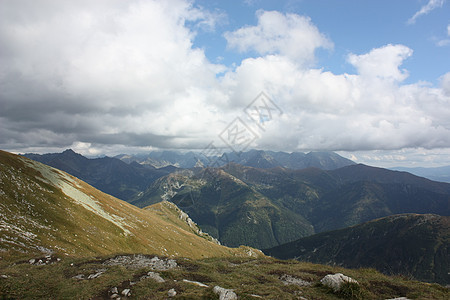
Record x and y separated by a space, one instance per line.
353 26
368 79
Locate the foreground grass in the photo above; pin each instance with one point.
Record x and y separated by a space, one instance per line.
248 277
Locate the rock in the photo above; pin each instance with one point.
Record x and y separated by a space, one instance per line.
171 293
114 290
115 296
195 282
126 292
288 279
224 294
399 298
335 281
4 276
141 261
78 277
98 274
32 261
155 276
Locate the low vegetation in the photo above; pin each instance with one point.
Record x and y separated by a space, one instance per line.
249 278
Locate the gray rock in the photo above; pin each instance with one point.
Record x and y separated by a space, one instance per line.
141 261
288 279
126 292
32 261
155 276
98 274
224 294
79 277
335 281
171 293
4 276
399 298
115 296
114 290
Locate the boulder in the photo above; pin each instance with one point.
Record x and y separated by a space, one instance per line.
224 294
335 281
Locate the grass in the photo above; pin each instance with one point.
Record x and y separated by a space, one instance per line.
245 276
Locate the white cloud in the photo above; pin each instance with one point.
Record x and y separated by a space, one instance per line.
382 62
114 76
287 34
424 10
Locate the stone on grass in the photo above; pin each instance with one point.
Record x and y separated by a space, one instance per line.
126 292
335 281
155 276
172 293
224 294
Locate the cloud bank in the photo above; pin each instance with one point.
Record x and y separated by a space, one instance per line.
122 76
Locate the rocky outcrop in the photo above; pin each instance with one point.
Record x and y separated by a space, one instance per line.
141 261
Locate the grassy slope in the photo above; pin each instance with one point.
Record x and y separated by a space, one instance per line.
246 276
37 216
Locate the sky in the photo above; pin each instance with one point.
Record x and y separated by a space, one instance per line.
367 79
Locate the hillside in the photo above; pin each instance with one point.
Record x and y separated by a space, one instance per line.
110 175
267 204
46 210
409 244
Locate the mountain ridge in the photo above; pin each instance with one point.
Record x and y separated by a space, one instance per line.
407 244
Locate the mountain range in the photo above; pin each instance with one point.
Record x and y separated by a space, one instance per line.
434 173
264 208
252 158
125 176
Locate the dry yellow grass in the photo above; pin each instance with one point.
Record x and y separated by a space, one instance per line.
45 209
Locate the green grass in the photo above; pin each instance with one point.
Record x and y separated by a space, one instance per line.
246 276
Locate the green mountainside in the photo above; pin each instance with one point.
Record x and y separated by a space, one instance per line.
409 244
227 208
263 208
44 210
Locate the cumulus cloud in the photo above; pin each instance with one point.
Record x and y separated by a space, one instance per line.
287 34
382 62
122 76
426 9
